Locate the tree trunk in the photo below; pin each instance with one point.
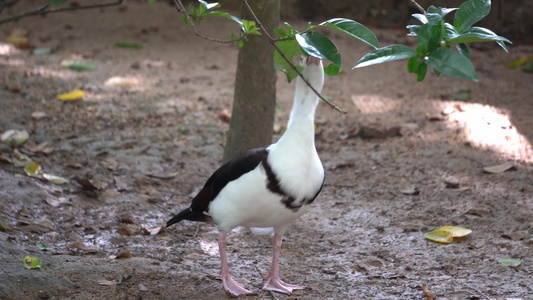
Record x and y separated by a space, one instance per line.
254 100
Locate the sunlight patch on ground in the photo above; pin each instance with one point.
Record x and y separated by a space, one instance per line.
373 104
489 127
209 248
134 83
8 49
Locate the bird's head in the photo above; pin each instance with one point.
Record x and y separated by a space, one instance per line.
313 71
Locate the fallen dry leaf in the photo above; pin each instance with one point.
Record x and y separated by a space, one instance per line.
128 230
108 194
86 184
125 218
108 163
499 168
81 247
55 202
37 115
153 231
123 255
107 282
39 226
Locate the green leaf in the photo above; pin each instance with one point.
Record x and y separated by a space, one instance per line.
332 69
413 29
463 49
385 54
428 18
449 31
353 29
249 27
421 17
185 20
476 36
290 48
482 30
42 247
421 72
226 15
237 40
429 37
418 66
56 2
452 64
509 262
469 13
209 6
78 65
42 51
280 32
125 45
442 11
319 46
32 263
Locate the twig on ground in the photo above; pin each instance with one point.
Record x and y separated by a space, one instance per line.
44 9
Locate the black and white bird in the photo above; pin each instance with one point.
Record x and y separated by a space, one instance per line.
267 187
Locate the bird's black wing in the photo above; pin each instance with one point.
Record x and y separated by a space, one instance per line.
230 171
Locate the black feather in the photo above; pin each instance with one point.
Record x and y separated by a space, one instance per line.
230 171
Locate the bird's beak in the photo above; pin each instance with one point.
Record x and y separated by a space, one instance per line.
312 60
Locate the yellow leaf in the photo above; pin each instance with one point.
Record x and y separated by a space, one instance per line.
74 95
519 62
439 236
456 231
32 168
16 39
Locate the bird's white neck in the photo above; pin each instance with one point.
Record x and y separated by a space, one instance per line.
301 126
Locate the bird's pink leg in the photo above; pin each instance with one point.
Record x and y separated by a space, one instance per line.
273 282
230 285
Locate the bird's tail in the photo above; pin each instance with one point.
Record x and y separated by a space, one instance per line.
181 216
190 215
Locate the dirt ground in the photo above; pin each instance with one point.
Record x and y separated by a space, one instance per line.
148 133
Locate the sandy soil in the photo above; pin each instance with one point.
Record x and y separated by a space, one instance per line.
148 134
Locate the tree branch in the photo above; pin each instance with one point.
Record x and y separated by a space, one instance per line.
181 9
418 6
44 9
289 61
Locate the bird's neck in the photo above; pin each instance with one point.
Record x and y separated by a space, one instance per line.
301 126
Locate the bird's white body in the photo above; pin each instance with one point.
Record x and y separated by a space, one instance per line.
294 159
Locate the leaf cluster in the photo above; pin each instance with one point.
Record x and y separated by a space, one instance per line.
435 39
441 46
309 42
204 9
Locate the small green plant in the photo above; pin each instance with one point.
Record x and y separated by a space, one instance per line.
435 40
